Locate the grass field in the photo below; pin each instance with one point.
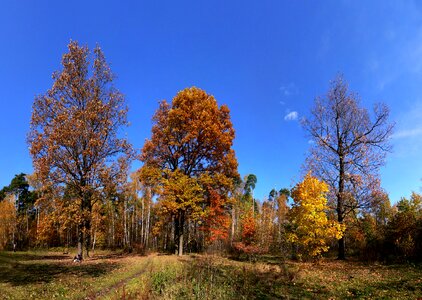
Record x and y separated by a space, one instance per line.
52 275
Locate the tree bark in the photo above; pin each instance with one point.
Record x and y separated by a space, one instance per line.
80 240
147 225
233 225
84 227
178 233
340 209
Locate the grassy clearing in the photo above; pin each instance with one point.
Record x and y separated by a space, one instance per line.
42 275
46 275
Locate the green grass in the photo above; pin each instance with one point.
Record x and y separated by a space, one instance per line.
51 275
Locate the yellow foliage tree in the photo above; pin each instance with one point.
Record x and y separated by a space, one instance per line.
310 226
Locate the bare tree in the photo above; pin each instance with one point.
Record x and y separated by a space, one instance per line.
74 132
348 148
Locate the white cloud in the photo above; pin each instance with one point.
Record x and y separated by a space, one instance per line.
291 116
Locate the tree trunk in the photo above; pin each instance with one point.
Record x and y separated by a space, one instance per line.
88 232
340 209
94 240
124 224
87 236
178 233
181 244
68 239
84 227
80 240
233 225
142 221
148 224
112 230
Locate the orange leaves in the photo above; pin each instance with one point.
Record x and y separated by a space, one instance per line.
217 221
7 220
74 125
192 134
74 139
249 243
248 228
190 162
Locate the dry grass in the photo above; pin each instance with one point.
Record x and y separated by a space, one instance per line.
42 275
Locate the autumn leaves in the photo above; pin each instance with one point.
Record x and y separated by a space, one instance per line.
190 168
191 158
310 227
73 138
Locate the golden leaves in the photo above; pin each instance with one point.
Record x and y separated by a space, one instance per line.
311 227
189 157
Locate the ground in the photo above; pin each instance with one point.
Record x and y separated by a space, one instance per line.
53 275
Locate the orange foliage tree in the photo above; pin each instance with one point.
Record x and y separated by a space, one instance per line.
217 219
190 149
74 131
7 221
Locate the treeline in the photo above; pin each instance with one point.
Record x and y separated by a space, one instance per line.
188 195
131 220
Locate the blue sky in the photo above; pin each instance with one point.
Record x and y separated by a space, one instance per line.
267 60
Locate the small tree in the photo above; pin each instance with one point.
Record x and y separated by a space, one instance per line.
74 132
310 225
7 222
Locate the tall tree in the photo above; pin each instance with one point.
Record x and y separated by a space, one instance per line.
190 153
349 147
74 131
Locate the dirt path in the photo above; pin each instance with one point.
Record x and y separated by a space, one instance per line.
106 291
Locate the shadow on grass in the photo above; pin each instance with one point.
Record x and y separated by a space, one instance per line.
24 269
18 256
251 281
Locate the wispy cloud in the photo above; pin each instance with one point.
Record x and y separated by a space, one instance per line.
289 89
407 133
407 140
403 40
291 116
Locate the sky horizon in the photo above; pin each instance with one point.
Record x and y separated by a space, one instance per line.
266 61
